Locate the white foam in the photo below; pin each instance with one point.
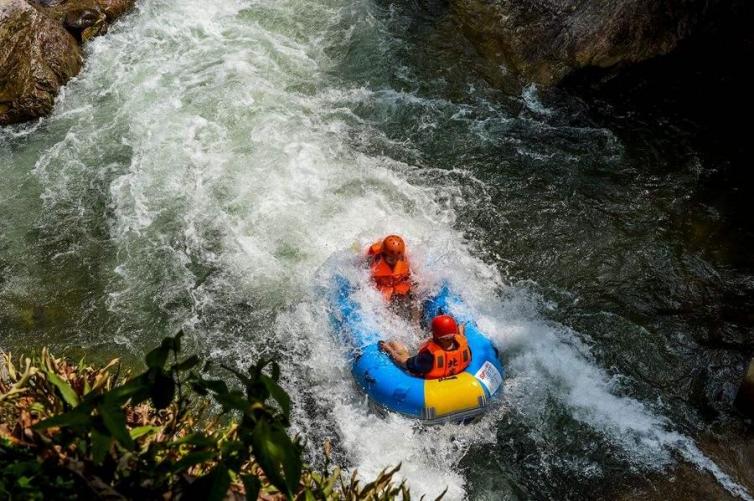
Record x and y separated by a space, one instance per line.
530 95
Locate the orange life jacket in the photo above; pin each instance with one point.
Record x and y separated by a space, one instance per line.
390 281
447 362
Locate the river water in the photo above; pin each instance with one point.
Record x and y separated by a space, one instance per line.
213 156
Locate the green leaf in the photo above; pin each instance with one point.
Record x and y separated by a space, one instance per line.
101 444
213 486
65 389
37 407
78 417
278 393
252 485
198 388
137 390
114 420
191 459
177 341
233 449
256 370
213 385
197 440
162 391
240 375
274 452
156 358
187 364
140 431
233 400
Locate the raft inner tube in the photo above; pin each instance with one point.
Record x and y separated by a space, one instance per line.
456 398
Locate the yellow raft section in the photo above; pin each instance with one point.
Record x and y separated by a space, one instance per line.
452 395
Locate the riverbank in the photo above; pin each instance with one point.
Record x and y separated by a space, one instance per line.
77 431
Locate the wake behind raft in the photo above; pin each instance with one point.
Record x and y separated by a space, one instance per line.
458 398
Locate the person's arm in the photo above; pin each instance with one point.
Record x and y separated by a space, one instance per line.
420 364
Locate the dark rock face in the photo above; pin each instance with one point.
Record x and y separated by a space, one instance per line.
745 397
544 41
40 49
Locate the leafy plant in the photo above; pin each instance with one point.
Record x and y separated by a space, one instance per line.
24 476
70 430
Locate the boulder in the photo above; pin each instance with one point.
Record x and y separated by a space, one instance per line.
543 41
40 49
37 56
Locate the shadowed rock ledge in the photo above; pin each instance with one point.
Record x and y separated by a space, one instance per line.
544 41
40 49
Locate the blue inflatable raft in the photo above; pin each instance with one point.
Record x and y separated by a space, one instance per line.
456 398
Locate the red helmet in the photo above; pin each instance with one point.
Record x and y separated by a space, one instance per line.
444 326
393 246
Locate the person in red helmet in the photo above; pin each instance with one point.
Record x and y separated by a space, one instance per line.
445 354
389 265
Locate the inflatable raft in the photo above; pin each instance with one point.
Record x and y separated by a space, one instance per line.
456 398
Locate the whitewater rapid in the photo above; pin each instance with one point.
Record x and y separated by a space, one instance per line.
213 155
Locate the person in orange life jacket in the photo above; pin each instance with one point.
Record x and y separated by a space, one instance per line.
389 265
445 354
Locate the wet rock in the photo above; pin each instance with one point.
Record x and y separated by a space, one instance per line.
40 49
37 56
61 10
83 19
730 447
544 41
745 397
113 9
85 24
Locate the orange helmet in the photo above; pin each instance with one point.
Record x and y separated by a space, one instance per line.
393 246
444 326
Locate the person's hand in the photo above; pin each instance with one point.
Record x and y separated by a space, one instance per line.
396 351
385 347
